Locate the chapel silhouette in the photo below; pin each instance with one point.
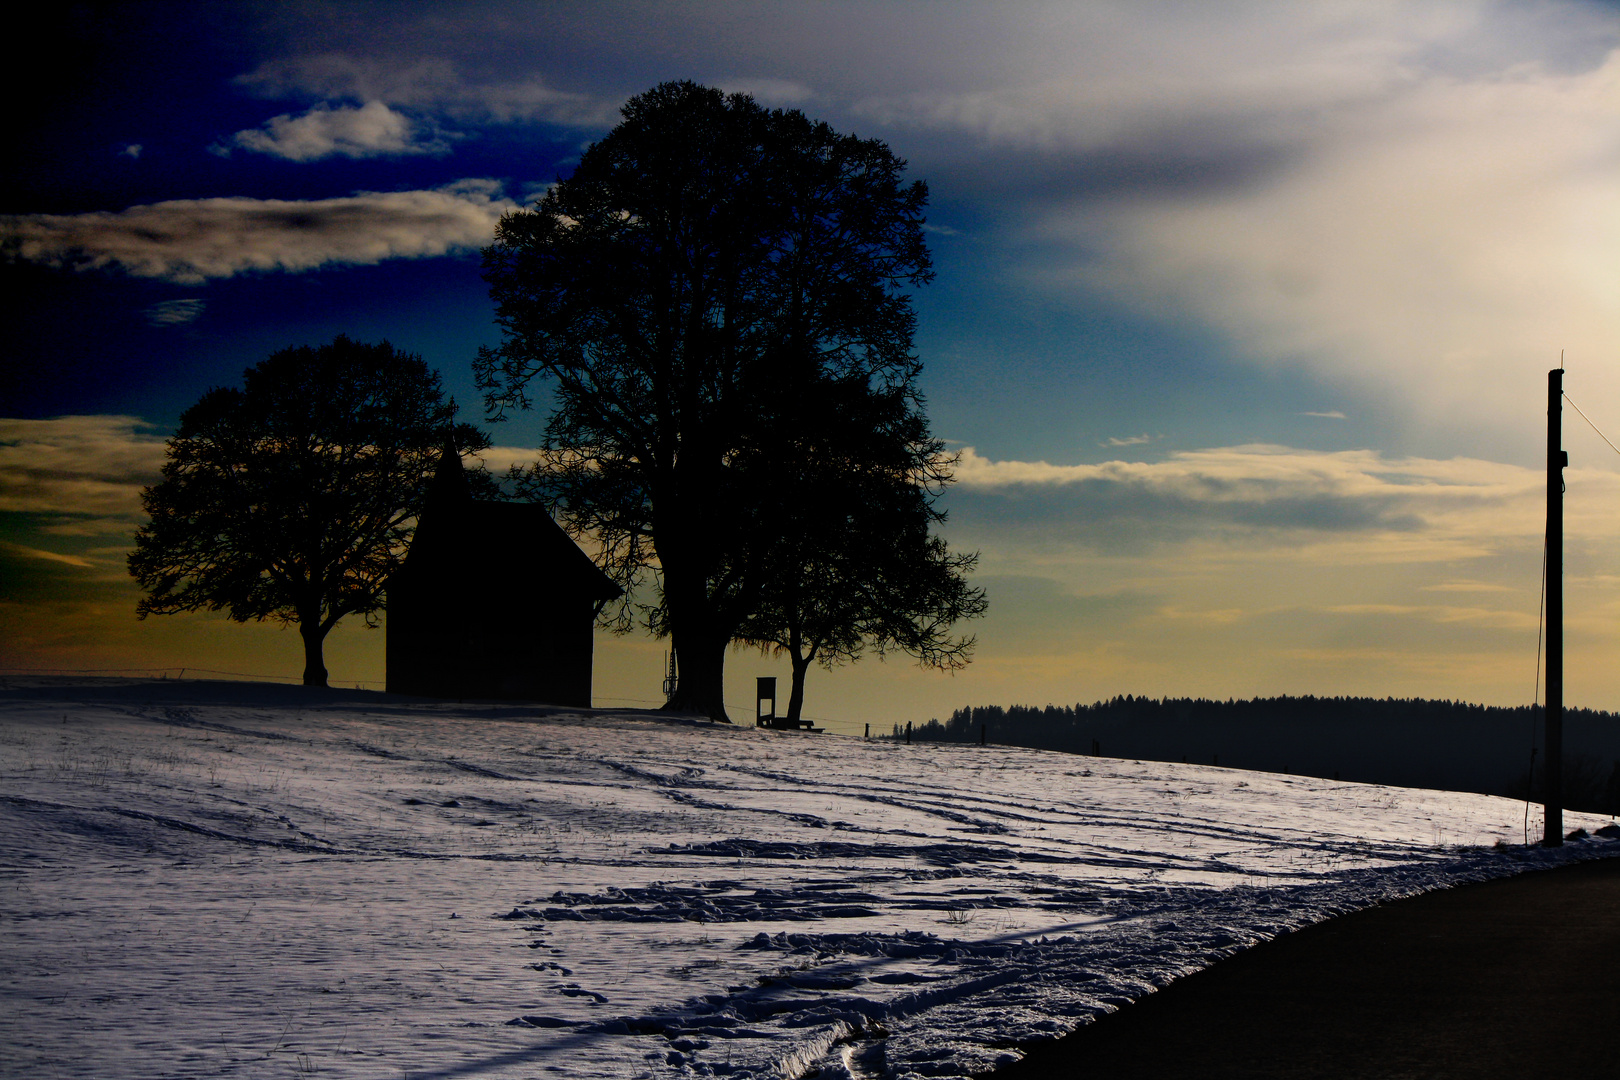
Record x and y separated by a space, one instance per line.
493 601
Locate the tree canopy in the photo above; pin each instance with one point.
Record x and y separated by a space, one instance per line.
854 475
708 261
294 498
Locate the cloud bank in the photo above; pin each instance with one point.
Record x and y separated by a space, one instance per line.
1415 201
1449 240
84 469
192 240
1266 569
1332 506
1259 472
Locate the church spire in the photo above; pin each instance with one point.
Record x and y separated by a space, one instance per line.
449 487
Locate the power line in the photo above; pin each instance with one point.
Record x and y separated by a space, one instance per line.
173 667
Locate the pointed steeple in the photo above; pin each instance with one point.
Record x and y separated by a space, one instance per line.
449 487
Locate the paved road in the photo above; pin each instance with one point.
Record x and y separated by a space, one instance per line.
1517 978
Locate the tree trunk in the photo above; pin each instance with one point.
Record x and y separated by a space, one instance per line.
314 664
700 642
796 695
701 687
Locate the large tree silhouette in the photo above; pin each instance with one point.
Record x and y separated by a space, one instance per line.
704 254
294 497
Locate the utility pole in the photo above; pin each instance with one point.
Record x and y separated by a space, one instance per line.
1552 769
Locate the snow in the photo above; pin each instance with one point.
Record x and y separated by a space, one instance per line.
235 880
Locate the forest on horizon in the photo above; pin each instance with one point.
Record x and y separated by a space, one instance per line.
1407 742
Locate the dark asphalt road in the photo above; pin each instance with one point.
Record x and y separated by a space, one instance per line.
1517 978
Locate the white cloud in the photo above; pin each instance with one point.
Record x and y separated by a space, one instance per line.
427 85
175 312
45 556
1114 442
1445 243
1332 414
1387 509
1066 76
78 467
372 130
192 240
1260 471
498 459
133 150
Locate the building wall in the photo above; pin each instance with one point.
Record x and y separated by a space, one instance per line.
453 639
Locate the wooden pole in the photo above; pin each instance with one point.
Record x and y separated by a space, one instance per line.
1553 765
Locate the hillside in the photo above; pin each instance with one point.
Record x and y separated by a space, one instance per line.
239 880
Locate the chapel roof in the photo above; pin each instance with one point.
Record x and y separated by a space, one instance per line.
504 536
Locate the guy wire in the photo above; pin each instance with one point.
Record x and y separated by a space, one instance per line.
1591 425
1541 621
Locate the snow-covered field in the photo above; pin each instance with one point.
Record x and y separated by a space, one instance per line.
228 879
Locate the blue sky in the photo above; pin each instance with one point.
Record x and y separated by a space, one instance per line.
1241 323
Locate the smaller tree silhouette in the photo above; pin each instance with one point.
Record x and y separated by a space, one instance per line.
851 478
295 497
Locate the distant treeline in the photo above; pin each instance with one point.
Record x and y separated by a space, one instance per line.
1410 742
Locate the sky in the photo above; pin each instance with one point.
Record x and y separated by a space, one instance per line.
1241 322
